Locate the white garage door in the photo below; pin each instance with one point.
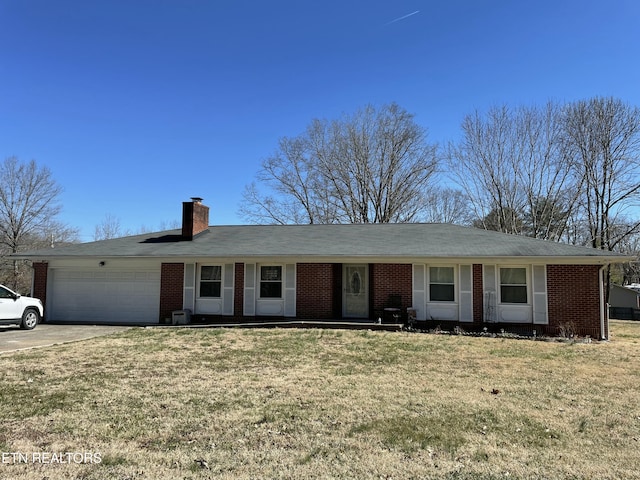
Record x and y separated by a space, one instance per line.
90 295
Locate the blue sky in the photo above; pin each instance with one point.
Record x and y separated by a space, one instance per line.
137 105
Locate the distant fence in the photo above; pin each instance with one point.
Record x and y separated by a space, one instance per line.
624 313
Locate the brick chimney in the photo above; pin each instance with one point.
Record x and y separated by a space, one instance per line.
195 218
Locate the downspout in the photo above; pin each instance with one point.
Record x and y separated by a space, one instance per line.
33 277
604 335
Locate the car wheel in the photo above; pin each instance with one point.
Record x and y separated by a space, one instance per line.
30 319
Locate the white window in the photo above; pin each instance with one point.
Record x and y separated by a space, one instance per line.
442 286
271 281
210 285
513 285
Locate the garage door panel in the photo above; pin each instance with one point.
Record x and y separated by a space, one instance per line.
107 296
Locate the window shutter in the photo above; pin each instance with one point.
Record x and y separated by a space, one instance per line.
540 309
419 292
189 296
249 290
466 293
490 293
290 290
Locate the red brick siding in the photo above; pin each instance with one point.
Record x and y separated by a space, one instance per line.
478 306
40 271
200 218
195 219
390 279
171 288
337 290
573 293
315 290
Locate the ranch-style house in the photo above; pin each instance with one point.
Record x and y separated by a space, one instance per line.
438 273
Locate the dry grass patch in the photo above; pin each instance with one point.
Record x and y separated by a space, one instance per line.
284 403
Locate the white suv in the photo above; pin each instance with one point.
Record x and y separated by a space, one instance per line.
14 308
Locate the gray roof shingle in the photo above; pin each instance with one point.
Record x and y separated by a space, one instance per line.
406 240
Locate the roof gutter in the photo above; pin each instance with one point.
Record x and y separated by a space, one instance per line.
333 258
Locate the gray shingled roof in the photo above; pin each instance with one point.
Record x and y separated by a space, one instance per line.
408 240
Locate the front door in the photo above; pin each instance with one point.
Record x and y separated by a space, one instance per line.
356 291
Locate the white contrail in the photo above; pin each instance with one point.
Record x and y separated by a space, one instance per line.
403 17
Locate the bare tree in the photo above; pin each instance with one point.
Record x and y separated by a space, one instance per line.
28 207
548 218
165 225
483 165
57 234
512 168
109 228
448 205
293 175
628 273
550 188
373 166
602 138
501 220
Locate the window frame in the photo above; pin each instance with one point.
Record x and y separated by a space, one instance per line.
219 282
527 285
454 284
279 281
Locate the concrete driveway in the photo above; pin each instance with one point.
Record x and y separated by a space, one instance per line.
45 334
